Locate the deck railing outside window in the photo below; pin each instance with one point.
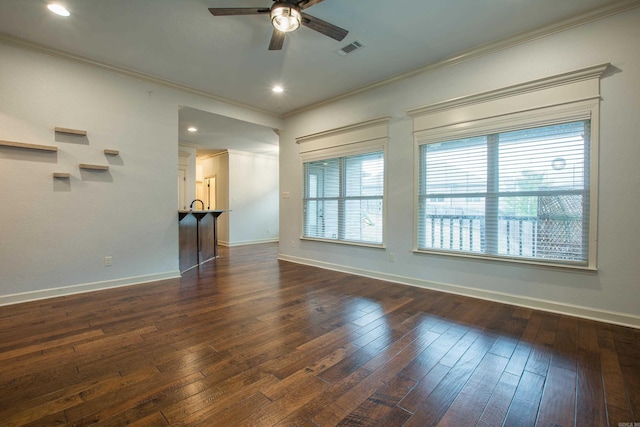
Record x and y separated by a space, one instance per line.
518 236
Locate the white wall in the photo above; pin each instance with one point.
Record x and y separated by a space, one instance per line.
218 166
253 191
613 293
55 234
246 183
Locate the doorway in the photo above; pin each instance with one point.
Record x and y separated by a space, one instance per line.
182 188
210 192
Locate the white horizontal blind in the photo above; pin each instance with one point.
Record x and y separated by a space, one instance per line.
519 194
343 198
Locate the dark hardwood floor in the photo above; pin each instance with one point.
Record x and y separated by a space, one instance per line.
251 341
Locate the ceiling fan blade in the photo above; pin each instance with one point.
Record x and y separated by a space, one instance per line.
303 4
324 27
226 11
277 40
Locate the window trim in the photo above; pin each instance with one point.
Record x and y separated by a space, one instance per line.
558 99
360 138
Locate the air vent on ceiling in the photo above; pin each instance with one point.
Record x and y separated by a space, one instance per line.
350 48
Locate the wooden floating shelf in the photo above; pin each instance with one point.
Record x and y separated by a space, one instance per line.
94 167
61 175
71 131
111 152
28 146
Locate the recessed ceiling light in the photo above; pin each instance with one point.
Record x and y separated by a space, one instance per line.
278 89
192 129
58 9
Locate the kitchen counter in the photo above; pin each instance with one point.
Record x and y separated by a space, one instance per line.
198 235
200 213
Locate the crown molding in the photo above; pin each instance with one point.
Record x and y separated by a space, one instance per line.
344 129
487 49
9 40
254 155
188 144
594 72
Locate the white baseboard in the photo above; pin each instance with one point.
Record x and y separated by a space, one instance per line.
84 287
617 318
252 242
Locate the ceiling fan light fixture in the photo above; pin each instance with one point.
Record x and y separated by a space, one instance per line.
285 18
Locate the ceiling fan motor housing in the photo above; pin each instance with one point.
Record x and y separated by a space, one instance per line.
285 16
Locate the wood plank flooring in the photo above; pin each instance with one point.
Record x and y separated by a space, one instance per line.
247 340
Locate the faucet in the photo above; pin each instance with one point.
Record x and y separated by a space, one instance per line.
196 200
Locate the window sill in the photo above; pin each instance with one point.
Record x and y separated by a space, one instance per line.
524 262
344 242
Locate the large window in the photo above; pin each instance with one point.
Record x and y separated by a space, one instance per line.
512 174
343 183
343 198
516 194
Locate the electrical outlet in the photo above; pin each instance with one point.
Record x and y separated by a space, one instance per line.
108 261
392 257
268 231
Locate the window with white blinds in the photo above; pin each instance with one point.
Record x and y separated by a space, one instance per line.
519 194
343 198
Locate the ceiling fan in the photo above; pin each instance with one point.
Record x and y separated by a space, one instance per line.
286 16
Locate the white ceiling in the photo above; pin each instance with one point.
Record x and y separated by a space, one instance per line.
180 41
216 133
